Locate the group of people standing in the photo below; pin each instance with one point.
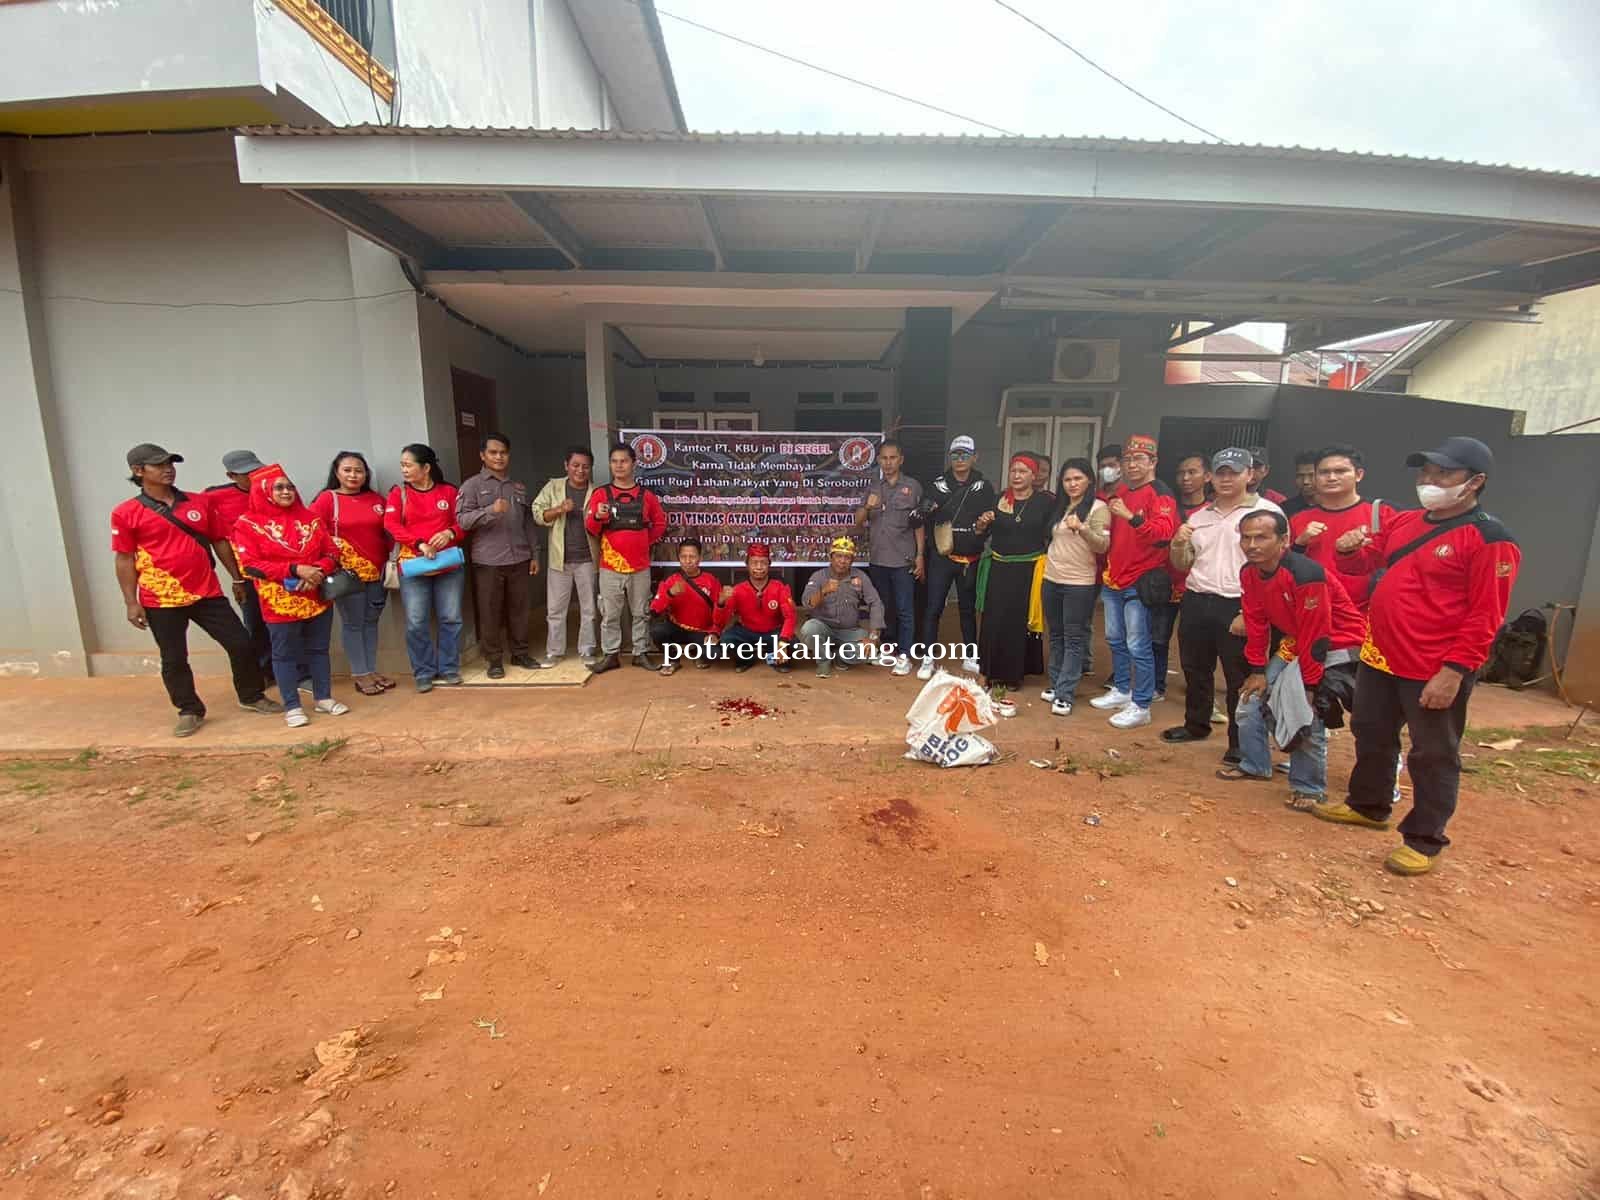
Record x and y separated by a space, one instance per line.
1283 596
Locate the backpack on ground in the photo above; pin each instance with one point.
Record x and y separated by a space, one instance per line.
1518 650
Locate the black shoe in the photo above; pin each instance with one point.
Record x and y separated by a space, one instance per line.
453 679
1232 758
646 662
1180 733
526 662
497 670
744 665
608 663
424 685
782 668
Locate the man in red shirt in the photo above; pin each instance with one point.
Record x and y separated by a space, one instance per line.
628 519
1333 530
1447 572
1294 612
1144 516
689 611
163 540
759 619
228 502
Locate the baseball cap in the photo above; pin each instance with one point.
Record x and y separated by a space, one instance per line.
963 443
241 462
1233 458
1258 456
148 454
1456 454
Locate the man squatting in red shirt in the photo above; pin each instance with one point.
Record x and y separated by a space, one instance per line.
1447 571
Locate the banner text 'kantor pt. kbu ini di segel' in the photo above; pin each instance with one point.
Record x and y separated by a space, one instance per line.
795 492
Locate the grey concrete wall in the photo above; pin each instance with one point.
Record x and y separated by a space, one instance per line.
467 64
571 92
1555 538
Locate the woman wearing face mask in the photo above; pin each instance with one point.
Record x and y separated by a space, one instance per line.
285 549
1018 531
353 513
1079 533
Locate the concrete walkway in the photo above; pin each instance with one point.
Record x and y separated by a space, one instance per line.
623 711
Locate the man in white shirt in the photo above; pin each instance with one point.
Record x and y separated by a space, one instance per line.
1207 546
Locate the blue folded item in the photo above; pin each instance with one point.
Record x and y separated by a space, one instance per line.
445 560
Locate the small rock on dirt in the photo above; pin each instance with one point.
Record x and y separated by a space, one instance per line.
111 1116
293 1188
1230 881
252 838
352 934
1420 1187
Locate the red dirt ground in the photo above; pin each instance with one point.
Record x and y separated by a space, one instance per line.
785 972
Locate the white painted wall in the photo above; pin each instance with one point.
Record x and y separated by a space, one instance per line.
466 64
773 390
1550 371
571 91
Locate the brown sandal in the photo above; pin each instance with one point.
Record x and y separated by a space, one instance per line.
384 682
369 686
1238 774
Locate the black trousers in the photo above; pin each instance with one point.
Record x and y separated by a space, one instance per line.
504 595
664 630
1203 641
1384 705
170 627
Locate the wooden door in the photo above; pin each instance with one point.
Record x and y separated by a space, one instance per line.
475 416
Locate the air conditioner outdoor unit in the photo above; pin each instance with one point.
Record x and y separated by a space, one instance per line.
1087 360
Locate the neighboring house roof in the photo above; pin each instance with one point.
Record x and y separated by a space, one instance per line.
1243 370
624 39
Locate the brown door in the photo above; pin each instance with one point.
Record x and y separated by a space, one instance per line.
475 416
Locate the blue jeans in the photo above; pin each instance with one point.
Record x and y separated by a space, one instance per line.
736 637
898 589
426 596
359 614
295 642
1068 614
1308 765
1133 667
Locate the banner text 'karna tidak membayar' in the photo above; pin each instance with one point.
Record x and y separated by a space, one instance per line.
795 492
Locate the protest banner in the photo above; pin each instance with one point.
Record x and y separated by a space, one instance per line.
794 491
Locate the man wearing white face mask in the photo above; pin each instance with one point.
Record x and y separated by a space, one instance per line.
1443 584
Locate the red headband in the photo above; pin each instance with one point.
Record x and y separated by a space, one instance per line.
757 550
1033 463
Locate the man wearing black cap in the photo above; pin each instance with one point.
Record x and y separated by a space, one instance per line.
163 540
1260 468
1445 577
228 502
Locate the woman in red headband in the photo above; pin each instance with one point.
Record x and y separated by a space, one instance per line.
1019 533
286 550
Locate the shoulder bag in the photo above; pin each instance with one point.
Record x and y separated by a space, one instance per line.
391 566
343 581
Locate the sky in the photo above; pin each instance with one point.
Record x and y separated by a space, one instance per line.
1509 81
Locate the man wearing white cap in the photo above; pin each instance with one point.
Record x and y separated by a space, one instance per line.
958 508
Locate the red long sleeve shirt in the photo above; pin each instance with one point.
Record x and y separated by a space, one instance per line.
267 563
412 517
1308 608
625 550
1442 604
1354 570
770 610
1139 544
697 607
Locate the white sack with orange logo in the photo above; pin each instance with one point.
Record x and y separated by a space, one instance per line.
944 720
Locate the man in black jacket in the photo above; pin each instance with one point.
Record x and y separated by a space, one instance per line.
965 501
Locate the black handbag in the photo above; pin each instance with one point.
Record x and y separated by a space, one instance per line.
1154 588
341 583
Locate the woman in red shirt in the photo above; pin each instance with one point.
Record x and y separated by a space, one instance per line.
285 549
353 513
420 516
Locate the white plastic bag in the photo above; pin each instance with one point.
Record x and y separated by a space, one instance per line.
944 720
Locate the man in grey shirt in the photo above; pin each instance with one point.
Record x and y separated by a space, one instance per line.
493 508
832 602
560 506
895 553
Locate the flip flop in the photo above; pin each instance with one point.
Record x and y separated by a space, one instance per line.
1237 775
370 689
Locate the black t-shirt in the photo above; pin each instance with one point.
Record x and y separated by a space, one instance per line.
575 540
1027 529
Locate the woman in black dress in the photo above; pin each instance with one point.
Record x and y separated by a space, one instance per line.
1017 540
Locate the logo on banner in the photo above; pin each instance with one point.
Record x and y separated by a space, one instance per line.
650 450
856 454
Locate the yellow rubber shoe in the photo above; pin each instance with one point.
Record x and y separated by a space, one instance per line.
1406 861
1343 814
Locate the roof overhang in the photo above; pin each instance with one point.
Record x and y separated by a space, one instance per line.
624 39
1335 244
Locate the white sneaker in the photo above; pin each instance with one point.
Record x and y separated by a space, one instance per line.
1131 717
334 708
925 671
902 665
1048 695
970 666
295 718
1112 699
1159 696
1060 708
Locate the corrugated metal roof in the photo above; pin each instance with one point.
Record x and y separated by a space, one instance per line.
1101 144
